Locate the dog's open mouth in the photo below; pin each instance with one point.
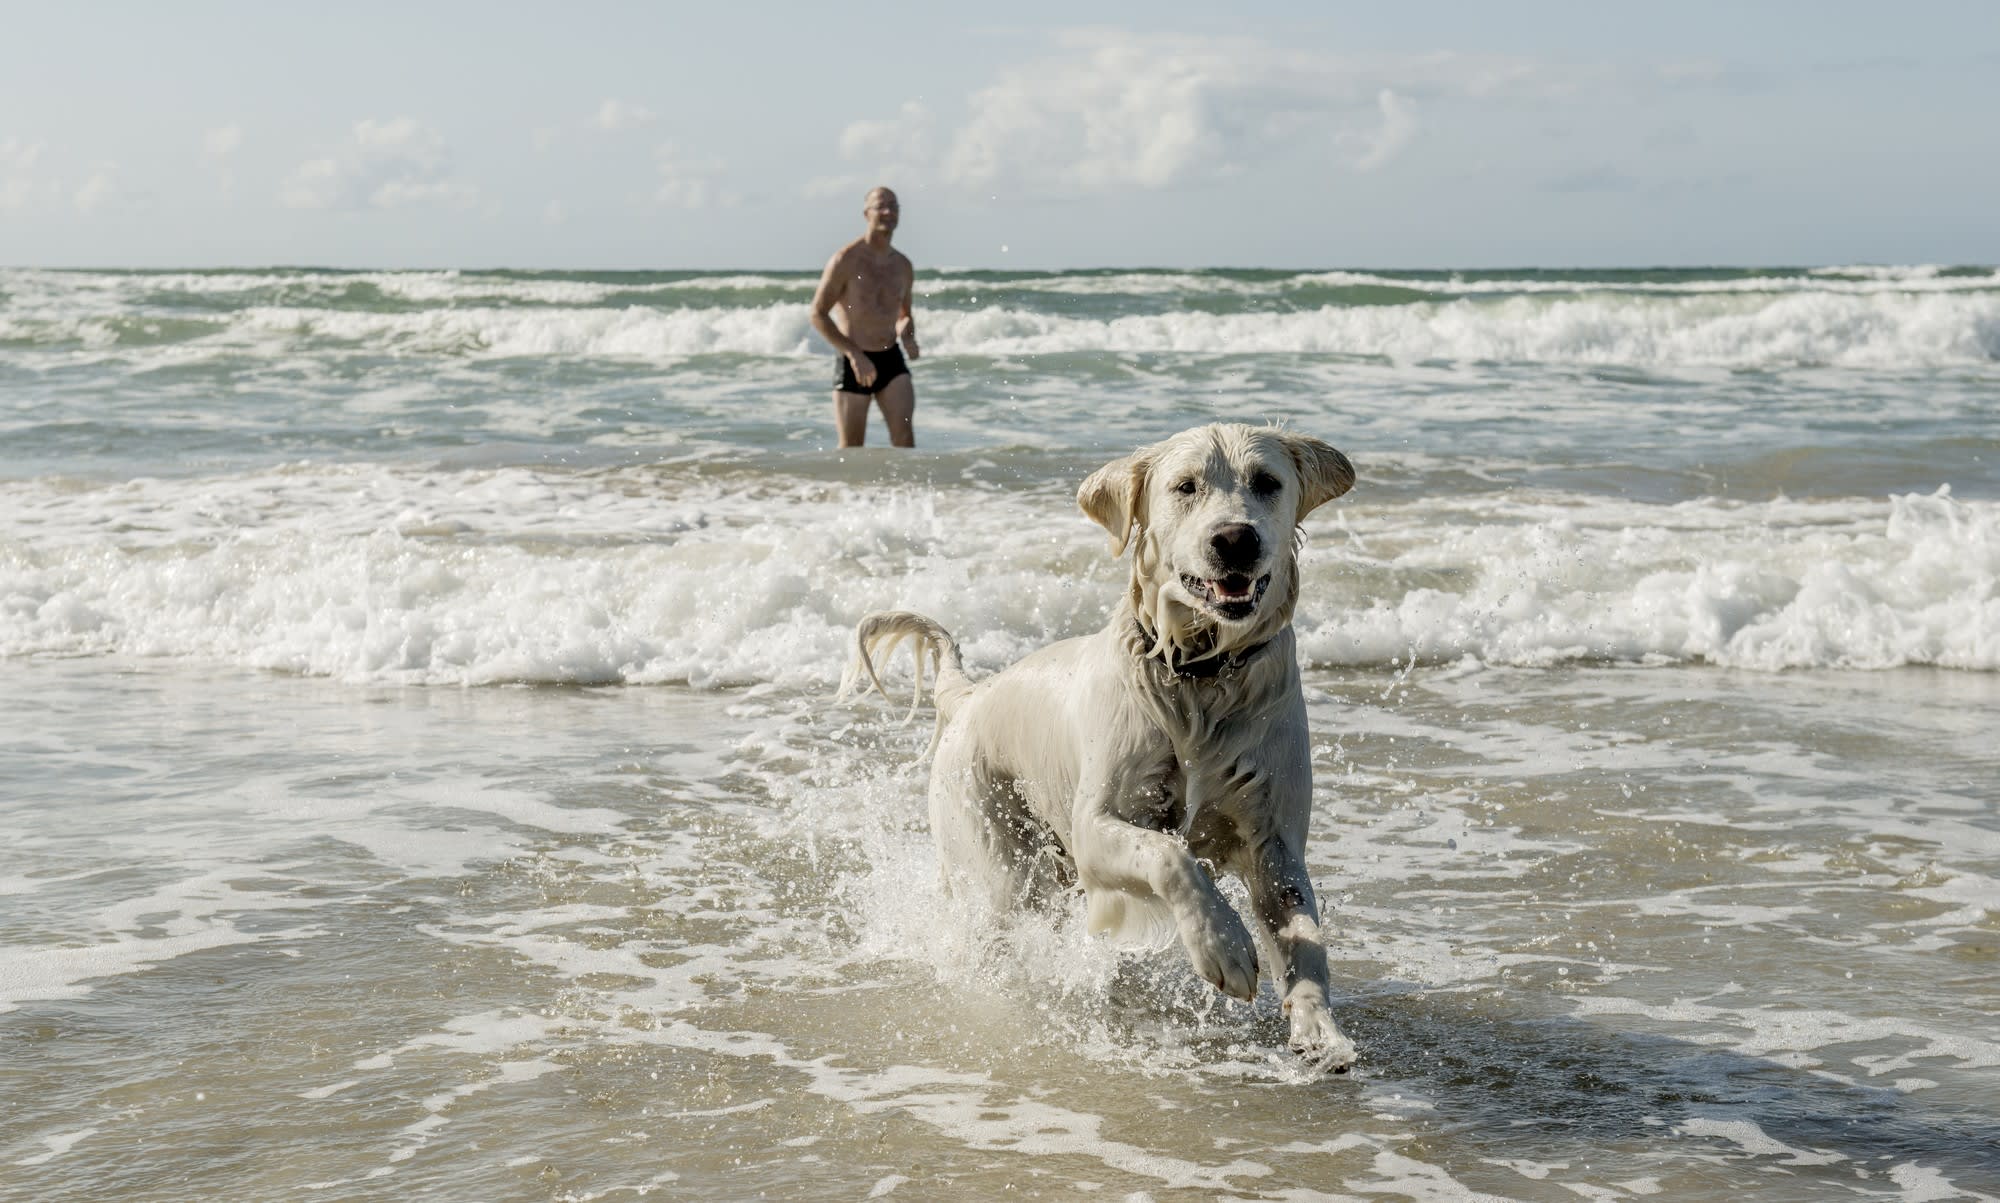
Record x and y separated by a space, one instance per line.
1234 596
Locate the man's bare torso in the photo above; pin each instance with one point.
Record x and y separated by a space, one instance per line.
871 302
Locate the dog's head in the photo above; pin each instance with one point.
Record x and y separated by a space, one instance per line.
1212 513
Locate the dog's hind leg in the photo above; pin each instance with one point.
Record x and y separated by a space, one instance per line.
988 844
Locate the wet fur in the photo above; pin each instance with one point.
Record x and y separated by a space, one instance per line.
1171 745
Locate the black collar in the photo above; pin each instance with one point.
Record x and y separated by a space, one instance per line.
1207 667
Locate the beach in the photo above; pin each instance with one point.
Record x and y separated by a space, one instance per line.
421 774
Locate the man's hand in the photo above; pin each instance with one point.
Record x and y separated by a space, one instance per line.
910 346
864 368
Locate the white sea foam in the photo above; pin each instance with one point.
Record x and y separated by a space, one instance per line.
1886 331
1777 1030
1846 331
1139 284
57 1144
1770 586
43 288
633 331
459 287
193 915
37 974
1855 280
517 575
1894 322
1858 280
1752 1139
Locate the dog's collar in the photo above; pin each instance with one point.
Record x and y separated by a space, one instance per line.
1207 668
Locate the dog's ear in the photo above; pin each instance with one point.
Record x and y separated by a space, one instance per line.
1111 497
1324 472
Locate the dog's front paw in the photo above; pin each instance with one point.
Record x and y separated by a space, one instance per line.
1317 1039
1220 947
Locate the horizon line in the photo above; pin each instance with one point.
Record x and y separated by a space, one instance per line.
1107 267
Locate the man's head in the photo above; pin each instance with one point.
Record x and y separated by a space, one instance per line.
881 211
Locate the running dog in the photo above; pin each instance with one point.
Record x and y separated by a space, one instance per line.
1170 745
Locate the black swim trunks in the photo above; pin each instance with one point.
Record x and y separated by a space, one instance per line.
888 365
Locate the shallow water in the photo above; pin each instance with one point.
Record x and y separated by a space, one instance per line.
1628 929
420 774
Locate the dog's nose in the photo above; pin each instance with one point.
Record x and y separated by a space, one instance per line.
1236 546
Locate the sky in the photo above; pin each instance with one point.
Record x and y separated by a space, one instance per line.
1029 135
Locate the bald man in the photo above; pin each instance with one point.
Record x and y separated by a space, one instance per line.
862 308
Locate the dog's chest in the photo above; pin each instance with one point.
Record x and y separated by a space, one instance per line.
1212 769
1211 801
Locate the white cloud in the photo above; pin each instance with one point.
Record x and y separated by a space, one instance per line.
93 192
1399 126
832 187
21 183
383 165
685 192
398 136
554 214
1110 111
899 152
1114 111
904 137
690 183
402 193
314 184
17 155
222 141
622 115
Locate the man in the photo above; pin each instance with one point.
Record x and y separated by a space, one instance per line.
871 282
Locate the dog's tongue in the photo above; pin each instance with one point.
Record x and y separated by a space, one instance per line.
1233 585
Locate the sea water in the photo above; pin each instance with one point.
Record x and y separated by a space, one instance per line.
421 775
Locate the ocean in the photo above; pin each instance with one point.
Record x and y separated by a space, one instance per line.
421 775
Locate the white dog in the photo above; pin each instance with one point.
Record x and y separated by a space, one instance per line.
1138 761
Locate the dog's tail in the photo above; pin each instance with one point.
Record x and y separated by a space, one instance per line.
880 633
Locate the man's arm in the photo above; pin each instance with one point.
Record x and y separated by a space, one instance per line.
832 285
905 319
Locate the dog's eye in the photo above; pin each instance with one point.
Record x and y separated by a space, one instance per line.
1264 484
1186 488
